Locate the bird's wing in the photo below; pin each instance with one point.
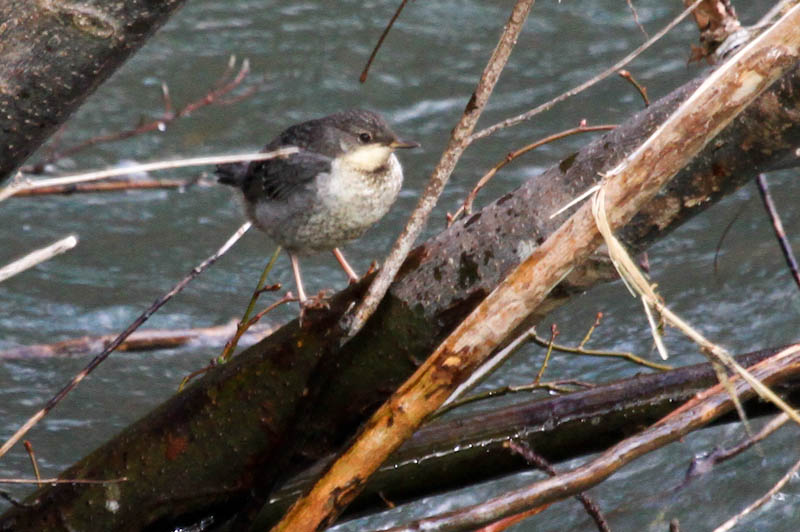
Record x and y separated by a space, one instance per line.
278 178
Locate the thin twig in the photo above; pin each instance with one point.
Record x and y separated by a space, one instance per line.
141 340
560 386
96 361
627 76
733 521
36 257
386 30
243 325
14 502
459 140
553 334
34 463
60 481
774 12
466 207
724 235
583 86
288 297
539 461
213 96
496 360
597 319
777 226
108 186
636 18
704 464
596 353
17 185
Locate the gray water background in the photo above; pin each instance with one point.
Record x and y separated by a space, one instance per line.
305 59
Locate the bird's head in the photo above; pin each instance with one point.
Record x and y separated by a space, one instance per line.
365 139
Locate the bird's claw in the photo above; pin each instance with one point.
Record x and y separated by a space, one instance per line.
317 302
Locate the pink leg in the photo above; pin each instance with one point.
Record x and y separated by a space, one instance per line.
351 274
301 294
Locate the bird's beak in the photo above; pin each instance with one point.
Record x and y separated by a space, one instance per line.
400 143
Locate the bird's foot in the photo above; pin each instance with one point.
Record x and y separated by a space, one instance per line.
373 267
317 302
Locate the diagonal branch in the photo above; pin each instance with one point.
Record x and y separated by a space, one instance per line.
627 187
698 412
459 140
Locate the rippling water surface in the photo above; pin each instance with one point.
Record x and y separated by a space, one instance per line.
305 60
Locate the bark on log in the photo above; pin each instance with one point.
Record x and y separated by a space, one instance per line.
276 407
452 454
55 54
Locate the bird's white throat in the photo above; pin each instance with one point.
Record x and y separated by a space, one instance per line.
368 158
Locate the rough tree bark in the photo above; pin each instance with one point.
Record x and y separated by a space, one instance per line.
55 54
297 395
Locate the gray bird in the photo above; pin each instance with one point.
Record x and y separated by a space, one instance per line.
343 179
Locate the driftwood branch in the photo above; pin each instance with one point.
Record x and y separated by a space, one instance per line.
141 340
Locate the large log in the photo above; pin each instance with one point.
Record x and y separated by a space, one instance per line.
297 395
55 54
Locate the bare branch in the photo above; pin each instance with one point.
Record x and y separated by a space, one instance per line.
36 257
585 85
96 361
459 140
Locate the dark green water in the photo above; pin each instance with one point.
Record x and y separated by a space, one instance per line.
305 60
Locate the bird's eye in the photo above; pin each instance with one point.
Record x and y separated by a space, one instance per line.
364 138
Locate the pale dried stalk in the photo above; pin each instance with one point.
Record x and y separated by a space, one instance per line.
637 281
19 185
638 285
715 103
36 257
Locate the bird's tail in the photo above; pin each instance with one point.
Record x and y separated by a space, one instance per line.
232 174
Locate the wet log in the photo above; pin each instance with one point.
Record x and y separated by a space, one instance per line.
297 395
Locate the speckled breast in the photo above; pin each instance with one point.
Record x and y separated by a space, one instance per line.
338 207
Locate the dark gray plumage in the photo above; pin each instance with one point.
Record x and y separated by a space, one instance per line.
344 179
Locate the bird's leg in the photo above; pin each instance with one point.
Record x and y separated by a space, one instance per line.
314 302
301 294
351 274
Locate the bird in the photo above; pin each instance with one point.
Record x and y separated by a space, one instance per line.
342 179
